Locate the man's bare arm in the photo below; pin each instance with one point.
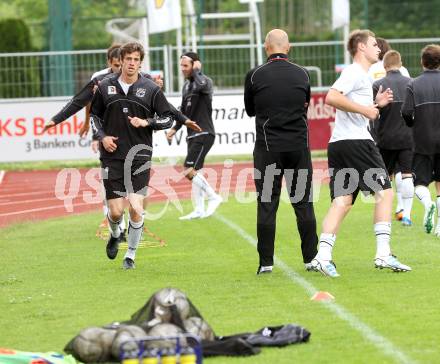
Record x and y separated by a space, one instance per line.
339 101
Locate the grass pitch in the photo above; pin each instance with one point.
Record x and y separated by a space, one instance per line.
55 279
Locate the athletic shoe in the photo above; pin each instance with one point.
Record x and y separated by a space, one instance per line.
406 222
213 203
128 263
123 236
399 215
309 267
112 247
392 263
193 215
263 269
326 267
428 219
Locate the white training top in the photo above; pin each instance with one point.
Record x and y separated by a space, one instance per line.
355 85
125 86
101 72
376 71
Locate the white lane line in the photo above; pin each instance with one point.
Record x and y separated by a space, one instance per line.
18 202
49 208
385 345
2 175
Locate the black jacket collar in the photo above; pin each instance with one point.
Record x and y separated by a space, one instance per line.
277 56
395 72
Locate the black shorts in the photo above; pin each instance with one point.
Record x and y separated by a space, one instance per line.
398 159
198 148
356 165
426 169
113 178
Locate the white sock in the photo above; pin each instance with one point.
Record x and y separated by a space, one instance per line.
198 198
326 244
113 227
266 268
383 235
438 209
201 181
105 209
122 225
407 196
135 230
398 182
201 198
423 194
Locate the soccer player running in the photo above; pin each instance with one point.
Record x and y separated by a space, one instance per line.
421 110
393 136
122 117
277 93
197 105
354 159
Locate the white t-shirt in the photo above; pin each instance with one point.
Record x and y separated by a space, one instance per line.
125 86
101 72
376 71
355 85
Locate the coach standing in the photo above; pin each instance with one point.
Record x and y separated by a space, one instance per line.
277 93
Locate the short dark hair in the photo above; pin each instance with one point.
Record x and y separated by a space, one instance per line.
114 51
193 55
392 59
358 36
431 56
132 47
383 45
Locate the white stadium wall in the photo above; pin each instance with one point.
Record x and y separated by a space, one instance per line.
21 123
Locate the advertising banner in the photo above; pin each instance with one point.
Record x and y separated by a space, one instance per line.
22 121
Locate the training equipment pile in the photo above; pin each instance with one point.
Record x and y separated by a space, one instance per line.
169 313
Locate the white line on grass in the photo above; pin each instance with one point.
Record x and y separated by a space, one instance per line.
48 208
378 340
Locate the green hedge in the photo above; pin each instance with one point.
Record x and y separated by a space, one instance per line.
19 77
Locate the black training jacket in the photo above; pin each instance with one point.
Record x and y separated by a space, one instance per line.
85 95
197 104
81 99
111 108
391 130
421 110
277 93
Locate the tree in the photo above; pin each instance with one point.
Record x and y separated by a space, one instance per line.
21 78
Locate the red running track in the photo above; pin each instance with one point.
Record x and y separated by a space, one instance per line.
32 196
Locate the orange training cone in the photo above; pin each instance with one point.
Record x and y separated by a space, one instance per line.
322 296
